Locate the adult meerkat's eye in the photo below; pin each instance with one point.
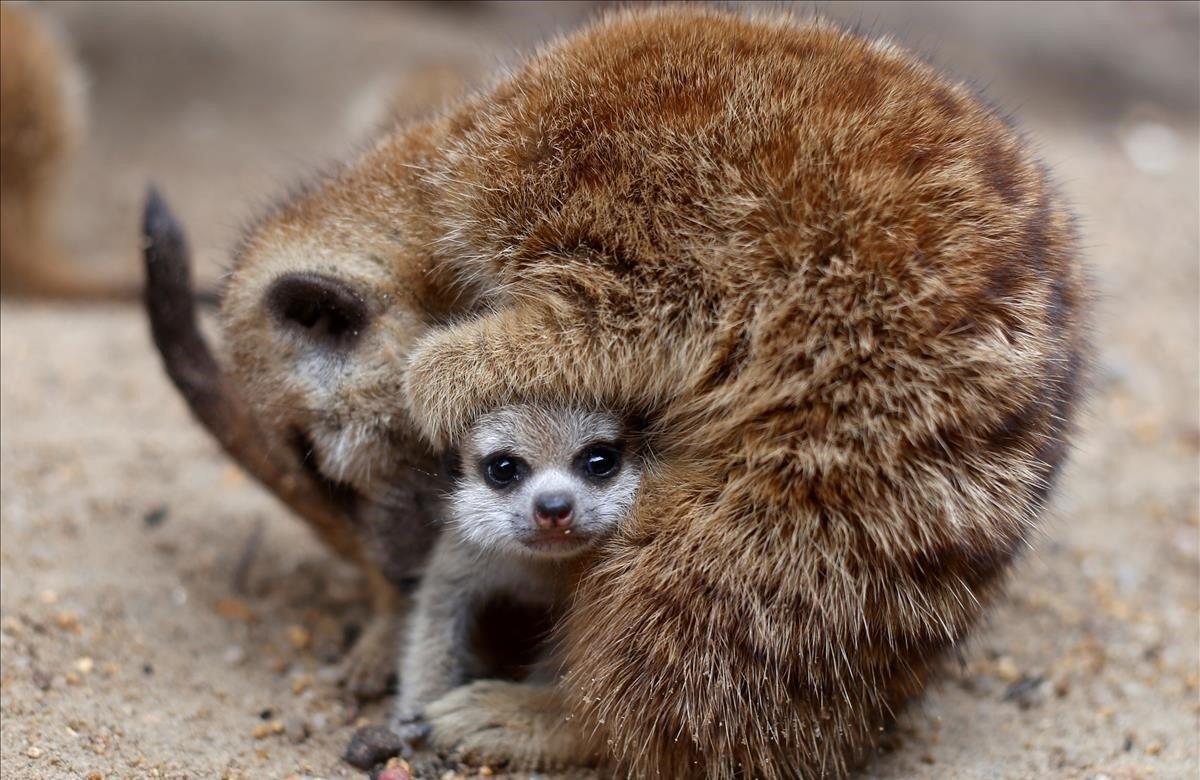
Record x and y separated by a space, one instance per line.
601 461
501 471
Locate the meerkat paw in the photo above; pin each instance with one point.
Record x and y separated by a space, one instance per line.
501 723
447 379
369 669
458 372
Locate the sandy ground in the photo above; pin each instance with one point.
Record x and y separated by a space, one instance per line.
136 640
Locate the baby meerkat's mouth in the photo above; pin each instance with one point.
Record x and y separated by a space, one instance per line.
558 542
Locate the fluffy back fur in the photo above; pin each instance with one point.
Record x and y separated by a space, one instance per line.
840 288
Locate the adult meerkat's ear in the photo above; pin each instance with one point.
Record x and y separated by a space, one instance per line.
189 363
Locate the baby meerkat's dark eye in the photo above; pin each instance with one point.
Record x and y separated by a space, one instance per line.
601 461
502 470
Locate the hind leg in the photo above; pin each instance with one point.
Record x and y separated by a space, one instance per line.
369 669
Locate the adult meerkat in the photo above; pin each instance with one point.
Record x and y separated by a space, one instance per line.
841 289
848 296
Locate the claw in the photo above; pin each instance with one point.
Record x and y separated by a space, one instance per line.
413 733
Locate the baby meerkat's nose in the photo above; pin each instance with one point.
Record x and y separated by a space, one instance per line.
553 510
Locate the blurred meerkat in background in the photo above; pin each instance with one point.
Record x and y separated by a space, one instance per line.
42 124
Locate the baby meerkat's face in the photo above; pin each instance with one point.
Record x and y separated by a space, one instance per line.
550 482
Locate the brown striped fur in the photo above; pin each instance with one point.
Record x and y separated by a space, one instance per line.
840 288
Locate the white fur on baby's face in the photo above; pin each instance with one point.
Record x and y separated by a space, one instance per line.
550 449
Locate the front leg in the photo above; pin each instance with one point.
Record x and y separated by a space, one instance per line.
517 725
537 354
437 653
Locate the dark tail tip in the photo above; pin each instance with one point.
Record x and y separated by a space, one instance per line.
158 223
168 292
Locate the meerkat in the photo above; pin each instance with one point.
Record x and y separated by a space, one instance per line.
536 489
841 289
41 128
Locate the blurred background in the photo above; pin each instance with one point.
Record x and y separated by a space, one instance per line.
127 650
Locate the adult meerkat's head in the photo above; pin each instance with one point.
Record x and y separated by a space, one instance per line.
547 482
327 295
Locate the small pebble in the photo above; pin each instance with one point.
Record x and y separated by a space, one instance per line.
1007 669
95 776
85 665
395 773
372 745
300 684
41 680
295 728
34 752
1026 692
233 609
155 517
263 730
49 597
299 637
67 621
1152 147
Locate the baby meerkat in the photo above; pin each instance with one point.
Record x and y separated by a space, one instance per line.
536 489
